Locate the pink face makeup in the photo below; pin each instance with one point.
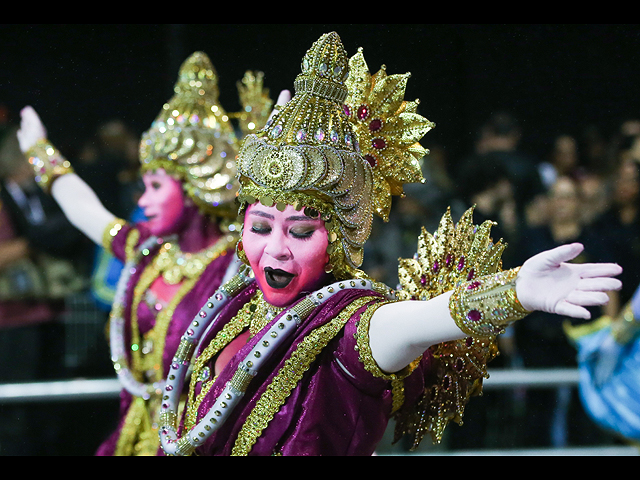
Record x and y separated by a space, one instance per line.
162 202
286 250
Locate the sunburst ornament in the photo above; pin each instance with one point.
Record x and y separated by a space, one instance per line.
388 129
456 254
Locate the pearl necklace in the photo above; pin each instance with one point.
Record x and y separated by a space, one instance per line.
172 443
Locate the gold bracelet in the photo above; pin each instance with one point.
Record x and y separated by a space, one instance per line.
484 307
48 163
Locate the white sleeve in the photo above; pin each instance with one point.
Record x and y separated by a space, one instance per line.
400 332
81 206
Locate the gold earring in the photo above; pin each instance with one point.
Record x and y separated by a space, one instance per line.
240 253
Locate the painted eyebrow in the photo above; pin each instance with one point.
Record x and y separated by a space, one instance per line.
300 218
258 213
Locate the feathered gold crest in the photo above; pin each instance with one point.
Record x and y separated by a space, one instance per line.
388 129
454 254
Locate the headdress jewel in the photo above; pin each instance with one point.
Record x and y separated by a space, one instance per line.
310 154
193 138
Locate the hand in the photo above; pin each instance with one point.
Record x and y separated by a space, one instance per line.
284 97
549 284
31 129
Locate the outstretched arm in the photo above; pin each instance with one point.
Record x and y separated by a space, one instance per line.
400 332
77 200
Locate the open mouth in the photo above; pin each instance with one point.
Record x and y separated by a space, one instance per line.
277 278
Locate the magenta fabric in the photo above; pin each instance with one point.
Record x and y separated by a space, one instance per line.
184 313
330 412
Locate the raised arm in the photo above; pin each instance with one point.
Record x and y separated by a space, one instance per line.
76 199
402 331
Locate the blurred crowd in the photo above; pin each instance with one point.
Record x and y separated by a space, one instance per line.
586 189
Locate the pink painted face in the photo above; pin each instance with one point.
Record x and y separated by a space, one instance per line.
162 202
286 250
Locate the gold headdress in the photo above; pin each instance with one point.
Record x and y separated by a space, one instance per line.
308 155
193 137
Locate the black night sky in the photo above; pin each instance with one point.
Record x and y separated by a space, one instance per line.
555 78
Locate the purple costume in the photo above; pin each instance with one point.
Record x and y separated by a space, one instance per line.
334 405
184 312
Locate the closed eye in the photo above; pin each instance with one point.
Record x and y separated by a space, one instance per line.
302 234
260 229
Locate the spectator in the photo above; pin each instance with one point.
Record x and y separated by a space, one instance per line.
38 268
555 417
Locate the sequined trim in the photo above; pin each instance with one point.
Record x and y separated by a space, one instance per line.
486 305
48 163
287 378
110 233
229 332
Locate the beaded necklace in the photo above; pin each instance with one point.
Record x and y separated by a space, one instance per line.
154 340
171 441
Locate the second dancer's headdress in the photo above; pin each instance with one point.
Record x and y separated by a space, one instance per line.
342 145
193 138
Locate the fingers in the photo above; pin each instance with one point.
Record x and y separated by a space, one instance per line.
587 298
563 253
599 284
592 270
284 97
570 310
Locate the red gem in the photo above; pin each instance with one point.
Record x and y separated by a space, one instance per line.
347 110
469 341
471 274
448 259
363 112
459 365
375 125
473 285
371 159
461 264
423 280
379 143
436 266
474 315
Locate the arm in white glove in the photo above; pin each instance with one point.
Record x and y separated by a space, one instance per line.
77 200
400 332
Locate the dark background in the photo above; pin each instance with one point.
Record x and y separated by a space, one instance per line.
554 78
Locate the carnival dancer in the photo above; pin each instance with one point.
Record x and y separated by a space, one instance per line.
302 353
184 249
609 370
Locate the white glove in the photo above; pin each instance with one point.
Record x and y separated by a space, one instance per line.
31 129
283 98
549 284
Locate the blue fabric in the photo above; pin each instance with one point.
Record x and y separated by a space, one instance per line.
612 400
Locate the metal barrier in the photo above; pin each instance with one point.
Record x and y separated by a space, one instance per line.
82 389
90 389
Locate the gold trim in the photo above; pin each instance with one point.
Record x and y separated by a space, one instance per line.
285 381
110 233
229 332
487 305
48 163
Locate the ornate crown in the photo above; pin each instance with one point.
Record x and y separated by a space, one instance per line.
308 155
193 137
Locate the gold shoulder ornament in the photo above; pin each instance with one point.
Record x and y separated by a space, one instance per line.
458 257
